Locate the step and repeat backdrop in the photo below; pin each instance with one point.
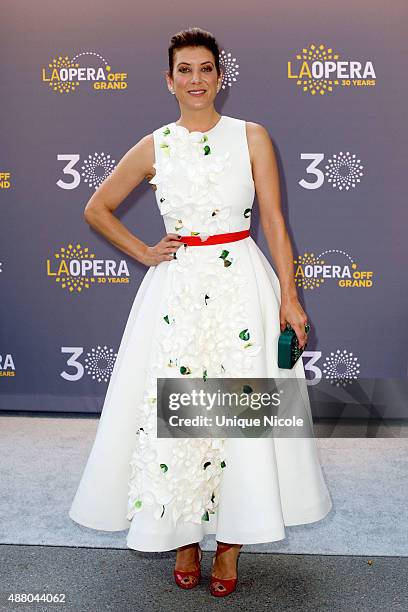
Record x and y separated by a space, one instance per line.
82 84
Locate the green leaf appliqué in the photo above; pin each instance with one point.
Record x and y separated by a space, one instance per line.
244 334
223 256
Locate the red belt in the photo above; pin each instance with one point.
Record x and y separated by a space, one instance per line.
215 238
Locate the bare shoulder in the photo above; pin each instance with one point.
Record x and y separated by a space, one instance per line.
146 148
256 130
135 166
143 151
258 139
257 133
140 157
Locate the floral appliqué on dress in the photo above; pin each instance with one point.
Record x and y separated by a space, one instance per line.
193 201
203 332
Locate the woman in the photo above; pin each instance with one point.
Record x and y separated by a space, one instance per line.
207 307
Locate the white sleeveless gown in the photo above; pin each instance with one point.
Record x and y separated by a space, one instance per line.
189 311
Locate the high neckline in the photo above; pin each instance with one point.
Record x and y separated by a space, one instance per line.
201 131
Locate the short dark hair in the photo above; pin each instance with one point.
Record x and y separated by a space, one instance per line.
194 37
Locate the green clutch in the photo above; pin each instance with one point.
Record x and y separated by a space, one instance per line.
288 347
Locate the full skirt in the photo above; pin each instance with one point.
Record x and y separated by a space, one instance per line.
269 483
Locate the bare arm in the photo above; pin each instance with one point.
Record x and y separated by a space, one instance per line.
266 177
132 169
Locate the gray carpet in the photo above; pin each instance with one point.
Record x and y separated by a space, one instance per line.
125 581
42 458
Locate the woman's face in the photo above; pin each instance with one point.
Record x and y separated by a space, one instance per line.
194 69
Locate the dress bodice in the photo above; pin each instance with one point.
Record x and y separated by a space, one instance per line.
204 179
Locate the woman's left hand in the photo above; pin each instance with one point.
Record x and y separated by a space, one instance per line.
292 312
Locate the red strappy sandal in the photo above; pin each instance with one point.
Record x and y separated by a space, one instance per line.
219 587
188 579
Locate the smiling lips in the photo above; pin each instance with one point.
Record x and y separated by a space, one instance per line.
197 92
